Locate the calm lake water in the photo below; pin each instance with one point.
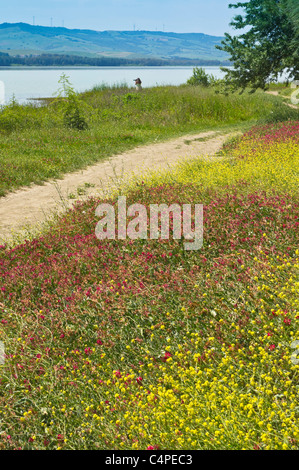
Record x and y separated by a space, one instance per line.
27 83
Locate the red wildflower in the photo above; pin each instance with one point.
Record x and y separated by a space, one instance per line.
166 356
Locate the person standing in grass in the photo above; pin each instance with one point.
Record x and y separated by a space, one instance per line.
138 84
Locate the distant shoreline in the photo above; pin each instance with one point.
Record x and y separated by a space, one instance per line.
82 67
64 59
40 82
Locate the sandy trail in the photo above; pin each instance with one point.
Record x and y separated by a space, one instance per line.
28 207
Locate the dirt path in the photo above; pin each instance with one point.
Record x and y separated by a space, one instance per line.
26 208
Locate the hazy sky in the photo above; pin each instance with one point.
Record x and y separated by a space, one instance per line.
199 16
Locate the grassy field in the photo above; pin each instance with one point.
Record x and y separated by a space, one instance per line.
36 144
139 344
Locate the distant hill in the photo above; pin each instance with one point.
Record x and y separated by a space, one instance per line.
24 39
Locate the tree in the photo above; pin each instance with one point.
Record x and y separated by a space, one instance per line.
199 77
269 45
293 8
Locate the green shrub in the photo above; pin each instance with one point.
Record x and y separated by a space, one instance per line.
130 97
200 77
15 117
73 117
73 108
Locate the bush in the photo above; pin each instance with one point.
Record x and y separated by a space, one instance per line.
73 116
15 117
200 77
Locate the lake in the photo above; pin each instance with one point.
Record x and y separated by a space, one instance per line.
26 83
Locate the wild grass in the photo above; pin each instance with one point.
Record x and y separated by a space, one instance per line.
138 344
35 144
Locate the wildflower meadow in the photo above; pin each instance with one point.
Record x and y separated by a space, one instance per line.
140 344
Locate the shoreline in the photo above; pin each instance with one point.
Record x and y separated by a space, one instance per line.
95 67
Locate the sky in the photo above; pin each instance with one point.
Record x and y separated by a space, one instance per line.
181 16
